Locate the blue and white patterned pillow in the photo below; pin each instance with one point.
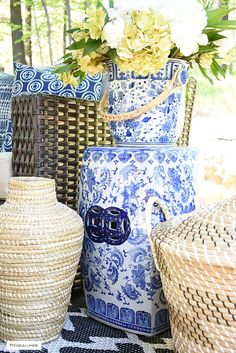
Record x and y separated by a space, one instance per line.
31 80
6 85
7 143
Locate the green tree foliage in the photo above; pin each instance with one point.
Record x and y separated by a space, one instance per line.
36 30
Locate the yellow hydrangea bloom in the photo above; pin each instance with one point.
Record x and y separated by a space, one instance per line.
123 51
68 79
95 67
78 35
143 20
146 44
103 49
164 44
95 21
91 64
206 59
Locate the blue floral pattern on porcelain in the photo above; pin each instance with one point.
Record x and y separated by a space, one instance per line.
127 92
121 284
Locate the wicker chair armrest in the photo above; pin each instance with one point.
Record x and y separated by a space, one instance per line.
50 134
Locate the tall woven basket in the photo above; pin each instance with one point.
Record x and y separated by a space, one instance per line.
196 256
41 243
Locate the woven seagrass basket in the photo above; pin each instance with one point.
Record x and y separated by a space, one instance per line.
196 256
41 242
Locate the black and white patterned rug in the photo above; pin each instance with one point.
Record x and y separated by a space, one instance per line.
82 334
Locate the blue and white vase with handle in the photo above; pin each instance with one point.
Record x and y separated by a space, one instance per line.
146 110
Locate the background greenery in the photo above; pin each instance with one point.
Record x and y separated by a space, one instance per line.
42 34
43 26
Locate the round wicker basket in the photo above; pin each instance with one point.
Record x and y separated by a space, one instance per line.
196 256
41 242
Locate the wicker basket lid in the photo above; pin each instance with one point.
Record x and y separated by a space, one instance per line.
207 235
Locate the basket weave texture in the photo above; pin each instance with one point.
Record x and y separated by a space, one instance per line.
50 134
197 262
41 241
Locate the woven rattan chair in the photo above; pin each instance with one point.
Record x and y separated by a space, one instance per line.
50 134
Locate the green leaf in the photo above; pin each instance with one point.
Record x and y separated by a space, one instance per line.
77 73
174 52
225 25
203 71
77 45
218 68
209 4
216 15
91 45
68 55
111 3
68 60
214 35
205 49
65 68
112 54
65 57
100 4
80 75
106 18
214 71
72 30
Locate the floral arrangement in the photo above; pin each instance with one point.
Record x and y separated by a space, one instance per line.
142 34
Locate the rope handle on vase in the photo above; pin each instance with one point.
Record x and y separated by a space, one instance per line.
173 85
148 221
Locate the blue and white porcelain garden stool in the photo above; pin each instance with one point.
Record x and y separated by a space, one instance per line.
122 287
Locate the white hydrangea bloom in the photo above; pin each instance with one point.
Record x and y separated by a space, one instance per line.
113 14
113 32
226 44
106 4
80 16
128 5
187 20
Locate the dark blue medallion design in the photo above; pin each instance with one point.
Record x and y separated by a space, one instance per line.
6 85
143 319
94 224
110 225
161 317
183 77
127 315
112 311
